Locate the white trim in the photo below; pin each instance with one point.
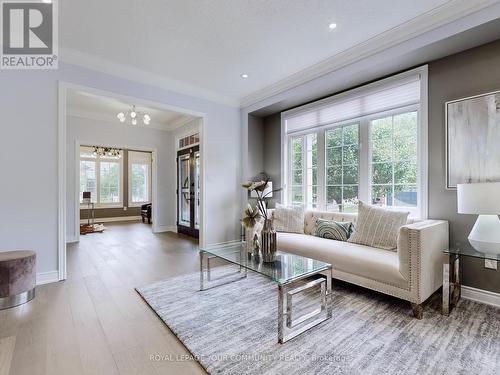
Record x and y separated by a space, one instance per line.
167 228
221 244
113 219
481 296
440 16
47 277
72 239
61 163
131 73
62 124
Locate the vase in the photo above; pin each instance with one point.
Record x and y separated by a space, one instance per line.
268 244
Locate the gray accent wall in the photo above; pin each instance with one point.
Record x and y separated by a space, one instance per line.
272 153
255 146
464 74
472 72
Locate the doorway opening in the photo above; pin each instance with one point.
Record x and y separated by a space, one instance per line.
96 118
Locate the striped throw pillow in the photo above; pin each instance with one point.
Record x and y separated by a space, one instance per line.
378 227
288 219
333 230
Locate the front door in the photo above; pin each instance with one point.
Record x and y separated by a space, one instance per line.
188 191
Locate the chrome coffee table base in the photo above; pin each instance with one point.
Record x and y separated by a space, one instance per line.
295 324
209 282
290 324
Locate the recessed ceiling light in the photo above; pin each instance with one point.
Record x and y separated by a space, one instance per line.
244 75
332 26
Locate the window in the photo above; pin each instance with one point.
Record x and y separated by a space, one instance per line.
296 172
304 163
110 182
394 161
342 166
368 144
101 175
88 179
189 140
139 178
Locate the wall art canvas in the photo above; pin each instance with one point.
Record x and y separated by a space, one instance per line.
473 140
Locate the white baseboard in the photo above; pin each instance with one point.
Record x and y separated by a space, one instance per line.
165 228
112 219
47 277
480 295
222 244
71 239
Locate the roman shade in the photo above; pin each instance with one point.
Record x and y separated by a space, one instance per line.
374 98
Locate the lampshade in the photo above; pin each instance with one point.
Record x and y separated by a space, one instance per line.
268 189
480 198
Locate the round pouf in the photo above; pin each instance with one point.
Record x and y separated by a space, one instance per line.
17 277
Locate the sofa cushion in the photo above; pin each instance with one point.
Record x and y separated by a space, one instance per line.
288 219
333 230
376 264
378 227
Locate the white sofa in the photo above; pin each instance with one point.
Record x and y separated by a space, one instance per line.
412 272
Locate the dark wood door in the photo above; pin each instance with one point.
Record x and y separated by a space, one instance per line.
188 191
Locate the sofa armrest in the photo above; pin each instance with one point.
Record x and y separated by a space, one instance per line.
420 252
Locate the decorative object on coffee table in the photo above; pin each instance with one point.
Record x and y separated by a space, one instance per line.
17 277
252 224
269 242
268 234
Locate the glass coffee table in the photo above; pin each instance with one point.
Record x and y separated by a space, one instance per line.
286 272
452 272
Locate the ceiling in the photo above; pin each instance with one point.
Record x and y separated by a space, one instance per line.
97 107
208 44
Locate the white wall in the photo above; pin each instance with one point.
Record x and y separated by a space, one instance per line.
90 131
29 154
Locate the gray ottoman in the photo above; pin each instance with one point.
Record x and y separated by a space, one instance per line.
17 277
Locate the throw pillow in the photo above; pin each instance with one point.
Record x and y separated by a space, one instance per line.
333 230
378 227
288 219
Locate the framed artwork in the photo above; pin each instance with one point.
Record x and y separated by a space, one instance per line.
473 139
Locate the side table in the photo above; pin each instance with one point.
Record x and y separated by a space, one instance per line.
452 272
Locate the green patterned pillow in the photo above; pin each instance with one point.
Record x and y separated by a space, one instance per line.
333 230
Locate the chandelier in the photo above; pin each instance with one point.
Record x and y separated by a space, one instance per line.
134 115
108 152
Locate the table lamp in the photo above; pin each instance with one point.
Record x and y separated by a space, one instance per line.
482 199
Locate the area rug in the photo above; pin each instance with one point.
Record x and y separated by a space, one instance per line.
232 329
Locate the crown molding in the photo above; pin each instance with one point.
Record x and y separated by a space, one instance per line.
74 57
442 15
176 124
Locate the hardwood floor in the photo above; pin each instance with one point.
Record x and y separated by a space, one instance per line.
94 322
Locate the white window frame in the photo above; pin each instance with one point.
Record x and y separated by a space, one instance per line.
98 161
148 164
364 156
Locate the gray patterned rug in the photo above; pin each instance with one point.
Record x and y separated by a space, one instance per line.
232 329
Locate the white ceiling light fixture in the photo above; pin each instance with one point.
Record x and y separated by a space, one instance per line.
332 26
134 114
244 75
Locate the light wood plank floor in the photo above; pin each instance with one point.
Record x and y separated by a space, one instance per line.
94 322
